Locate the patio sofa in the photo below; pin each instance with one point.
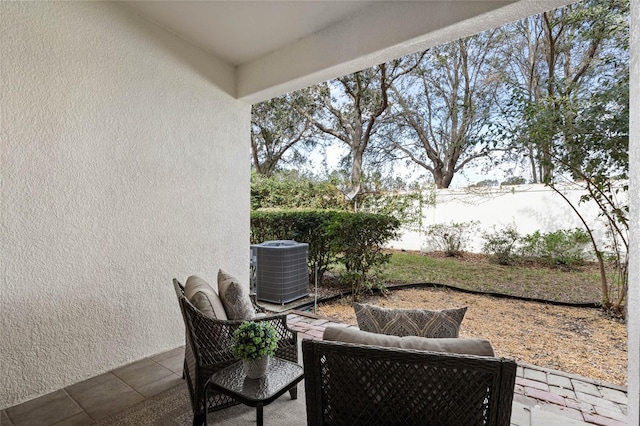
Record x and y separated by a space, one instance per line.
354 377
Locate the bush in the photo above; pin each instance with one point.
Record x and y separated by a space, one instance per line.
502 244
304 226
514 180
563 247
359 238
289 190
450 238
354 239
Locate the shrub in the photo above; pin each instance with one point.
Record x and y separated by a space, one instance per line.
451 238
359 238
354 239
514 180
289 189
502 244
485 183
563 247
304 226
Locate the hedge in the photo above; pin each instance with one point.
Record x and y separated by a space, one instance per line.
351 238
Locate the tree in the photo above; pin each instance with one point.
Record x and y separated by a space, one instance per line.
349 109
574 117
597 159
279 134
554 61
445 107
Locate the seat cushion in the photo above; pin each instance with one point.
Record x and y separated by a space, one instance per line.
204 297
409 322
235 297
480 347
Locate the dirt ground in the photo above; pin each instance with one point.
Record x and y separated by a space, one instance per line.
576 340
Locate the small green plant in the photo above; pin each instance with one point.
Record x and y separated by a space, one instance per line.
563 247
502 244
514 180
253 340
451 238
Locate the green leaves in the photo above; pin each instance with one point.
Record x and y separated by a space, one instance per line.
254 339
290 189
359 240
279 133
451 237
353 239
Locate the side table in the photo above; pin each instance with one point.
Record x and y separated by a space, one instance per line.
281 376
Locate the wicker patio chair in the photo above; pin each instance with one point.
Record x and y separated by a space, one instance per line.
350 384
208 349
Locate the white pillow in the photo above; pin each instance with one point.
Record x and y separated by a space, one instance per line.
204 297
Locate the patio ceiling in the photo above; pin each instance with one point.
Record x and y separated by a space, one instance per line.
280 46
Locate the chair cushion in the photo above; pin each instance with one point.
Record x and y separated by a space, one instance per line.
409 322
480 347
235 297
204 297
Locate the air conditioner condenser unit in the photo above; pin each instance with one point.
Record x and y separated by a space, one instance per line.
281 274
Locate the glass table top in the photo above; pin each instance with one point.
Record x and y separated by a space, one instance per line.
281 374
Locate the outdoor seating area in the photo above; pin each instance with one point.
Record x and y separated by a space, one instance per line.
403 364
410 365
126 134
541 396
209 339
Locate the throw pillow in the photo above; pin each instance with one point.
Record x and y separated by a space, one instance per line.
204 298
409 322
235 297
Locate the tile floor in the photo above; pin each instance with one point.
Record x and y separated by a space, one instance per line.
542 397
100 396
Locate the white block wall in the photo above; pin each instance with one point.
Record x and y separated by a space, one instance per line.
529 207
119 171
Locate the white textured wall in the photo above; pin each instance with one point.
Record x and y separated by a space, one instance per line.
120 169
529 207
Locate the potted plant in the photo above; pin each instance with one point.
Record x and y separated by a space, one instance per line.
254 342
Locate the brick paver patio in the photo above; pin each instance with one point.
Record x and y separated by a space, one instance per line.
579 400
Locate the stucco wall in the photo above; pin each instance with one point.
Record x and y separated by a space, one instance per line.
529 207
119 171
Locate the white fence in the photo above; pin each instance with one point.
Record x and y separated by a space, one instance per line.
530 207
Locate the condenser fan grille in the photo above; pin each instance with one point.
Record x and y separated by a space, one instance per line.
281 270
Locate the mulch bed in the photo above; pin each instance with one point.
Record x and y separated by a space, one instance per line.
581 341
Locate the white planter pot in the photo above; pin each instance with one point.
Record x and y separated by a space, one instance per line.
255 368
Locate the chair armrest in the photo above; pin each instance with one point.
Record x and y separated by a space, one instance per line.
214 337
254 302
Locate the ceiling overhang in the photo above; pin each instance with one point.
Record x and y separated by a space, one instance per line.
276 47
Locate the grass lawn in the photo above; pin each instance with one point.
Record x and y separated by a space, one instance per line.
475 272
